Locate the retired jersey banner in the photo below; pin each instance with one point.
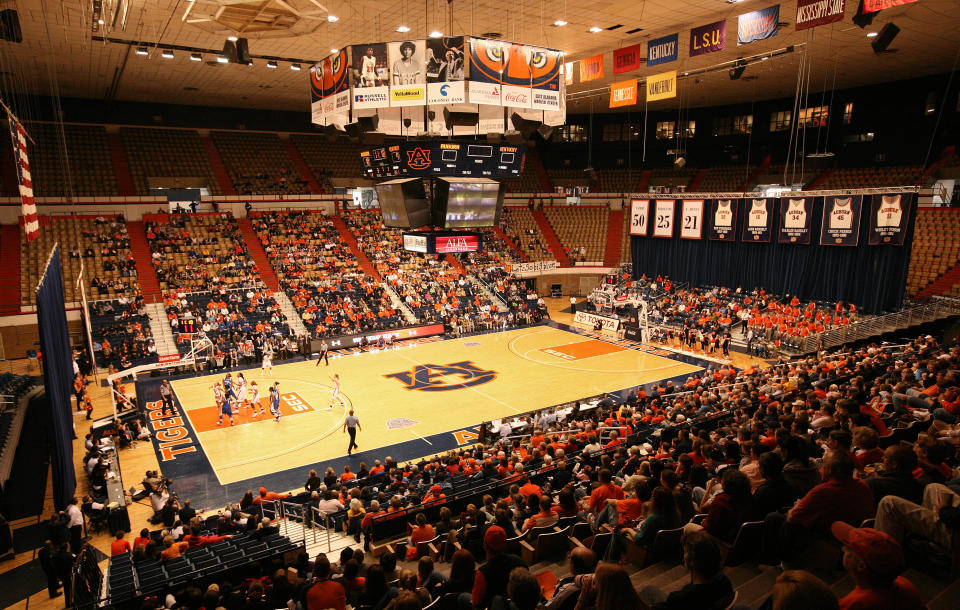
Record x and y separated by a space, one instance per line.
517 78
663 218
723 219
627 59
691 219
662 86
841 220
485 70
591 68
623 93
708 38
639 211
889 215
758 25
545 76
872 6
663 50
796 219
759 213
812 13
408 75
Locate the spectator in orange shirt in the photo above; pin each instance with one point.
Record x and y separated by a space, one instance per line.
172 549
119 546
347 475
269 496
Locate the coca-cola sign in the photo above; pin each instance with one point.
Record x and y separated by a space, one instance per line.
516 98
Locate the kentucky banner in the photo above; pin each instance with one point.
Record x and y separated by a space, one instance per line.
627 59
316 94
723 219
445 70
708 38
484 72
663 218
591 68
812 13
841 220
758 25
408 75
663 50
759 213
371 77
872 6
623 93
545 74
662 86
691 219
517 77
639 210
796 218
889 215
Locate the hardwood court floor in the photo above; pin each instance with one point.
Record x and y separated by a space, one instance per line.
411 392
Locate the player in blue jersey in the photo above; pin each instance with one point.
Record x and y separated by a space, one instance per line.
228 387
275 402
226 409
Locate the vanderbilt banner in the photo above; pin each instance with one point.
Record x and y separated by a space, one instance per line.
841 220
889 215
796 217
723 219
662 86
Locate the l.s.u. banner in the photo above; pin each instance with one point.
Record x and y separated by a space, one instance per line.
708 38
889 214
841 220
758 25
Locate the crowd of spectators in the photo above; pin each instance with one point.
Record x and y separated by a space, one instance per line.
284 182
121 332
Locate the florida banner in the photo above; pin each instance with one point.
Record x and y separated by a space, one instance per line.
723 219
889 215
796 218
662 86
759 213
841 220
591 68
623 93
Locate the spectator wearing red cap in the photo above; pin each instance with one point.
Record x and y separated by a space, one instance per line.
435 495
269 496
492 577
875 560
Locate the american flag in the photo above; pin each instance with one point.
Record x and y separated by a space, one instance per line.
28 208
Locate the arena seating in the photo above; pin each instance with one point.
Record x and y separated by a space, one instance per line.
725 178
121 332
326 159
620 180
258 163
935 247
13 388
518 223
82 148
526 183
625 254
581 230
568 176
101 244
166 153
673 177
867 177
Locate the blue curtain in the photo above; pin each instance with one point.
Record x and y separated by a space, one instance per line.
57 378
872 277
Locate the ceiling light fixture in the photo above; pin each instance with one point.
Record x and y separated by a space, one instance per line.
232 38
559 23
167 54
595 29
141 50
871 34
332 18
436 34
295 67
334 50
100 21
271 64
764 58
403 29
221 59
196 57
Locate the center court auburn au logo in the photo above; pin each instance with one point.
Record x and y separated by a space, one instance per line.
433 377
418 158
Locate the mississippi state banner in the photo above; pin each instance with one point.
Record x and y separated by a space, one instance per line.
639 210
663 218
841 220
759 218
796 218
889 215
722 217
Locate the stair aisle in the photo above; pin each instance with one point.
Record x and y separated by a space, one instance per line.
118 158
611 255
216 163
697 181
398 304
351 241
500 233
552 240
10 269
452 260
305 172
163 337
491 295
293 318
255 248
146 274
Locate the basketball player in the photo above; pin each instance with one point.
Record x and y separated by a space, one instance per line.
241 391
324 350
368 69
226 409
255 399
351 424
218 395
335 397
275 403
228 386
267 363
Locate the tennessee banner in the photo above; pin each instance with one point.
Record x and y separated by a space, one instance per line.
708 38
841 220
627 59
591 68
811 13
889 215
758 25
662 86
872 6
723 219
623 93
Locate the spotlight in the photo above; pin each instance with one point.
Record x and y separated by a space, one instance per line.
403 29
166 54
271 64
100 21
232 38
765 58
436 34
222 59
559 23
872 35
295 67
141 50
196 57
594 29
334 50
737 70
332 18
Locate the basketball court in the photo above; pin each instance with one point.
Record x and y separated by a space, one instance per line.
413 400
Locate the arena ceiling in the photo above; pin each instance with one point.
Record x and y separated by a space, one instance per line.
66 50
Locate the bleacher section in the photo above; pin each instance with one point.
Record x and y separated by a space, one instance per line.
326 159
13 388
258 163
618 180
726 178
581 230
86 156
866 177
166 153
518 223
121 333
936 249
673 177
100 243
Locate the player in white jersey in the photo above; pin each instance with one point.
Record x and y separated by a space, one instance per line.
368 69
255 399
335 396
241 387
218 394
841 216
890 212
758 213
723 217
796 216
267 363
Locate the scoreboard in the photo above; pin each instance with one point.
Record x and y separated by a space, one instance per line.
442 242
439 158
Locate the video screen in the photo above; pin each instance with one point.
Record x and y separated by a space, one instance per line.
470 203
403 203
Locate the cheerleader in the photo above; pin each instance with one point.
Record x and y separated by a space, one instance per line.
241 391
255 399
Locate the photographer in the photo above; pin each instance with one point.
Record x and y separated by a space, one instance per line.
151 481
